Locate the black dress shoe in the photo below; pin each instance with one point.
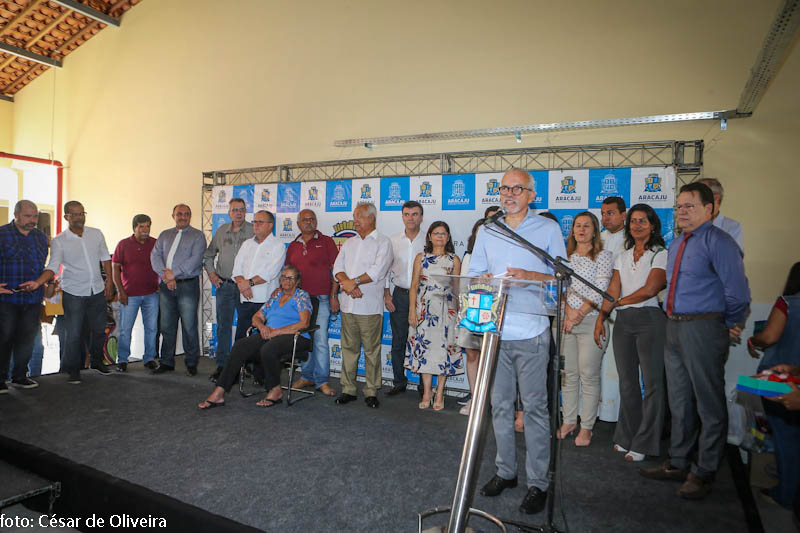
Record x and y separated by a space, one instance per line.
191 370
534 501
122 367
345 398
397 389
372 402
215 376
496 485
161 369
152 365
101 369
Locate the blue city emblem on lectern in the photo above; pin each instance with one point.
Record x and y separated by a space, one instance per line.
479 309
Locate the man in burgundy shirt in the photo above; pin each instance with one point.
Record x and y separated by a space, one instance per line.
314 254
137 287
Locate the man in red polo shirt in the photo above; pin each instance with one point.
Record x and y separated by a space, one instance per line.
137 286
314 254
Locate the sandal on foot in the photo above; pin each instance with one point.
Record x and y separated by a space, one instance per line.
210 405
634 456
268 402
620 449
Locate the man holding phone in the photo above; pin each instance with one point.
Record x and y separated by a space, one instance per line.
23 251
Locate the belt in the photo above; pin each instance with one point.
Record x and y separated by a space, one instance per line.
700 316
186 279
226 280
401 289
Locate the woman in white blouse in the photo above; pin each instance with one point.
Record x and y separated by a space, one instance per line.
582 357
639 332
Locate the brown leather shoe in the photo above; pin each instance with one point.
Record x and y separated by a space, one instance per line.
326 390
302 383
694 488
665 471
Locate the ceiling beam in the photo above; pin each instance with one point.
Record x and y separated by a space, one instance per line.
774 50
88 12
8 27
47 29
30 56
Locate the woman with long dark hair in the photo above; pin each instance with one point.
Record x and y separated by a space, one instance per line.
432 348
781 338
639 333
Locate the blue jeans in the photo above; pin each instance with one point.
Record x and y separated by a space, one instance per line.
92 309
180 303
318 366
227 301
127 318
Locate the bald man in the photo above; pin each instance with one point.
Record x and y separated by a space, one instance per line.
23 251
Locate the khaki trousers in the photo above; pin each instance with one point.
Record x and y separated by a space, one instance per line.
358 330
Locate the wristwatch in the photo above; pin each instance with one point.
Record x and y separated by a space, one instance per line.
358 281
251 282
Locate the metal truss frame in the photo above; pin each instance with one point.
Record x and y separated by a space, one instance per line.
685 156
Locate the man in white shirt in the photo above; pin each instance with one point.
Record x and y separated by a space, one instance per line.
729 225
361 268
257 269
405 247
612 213
81 250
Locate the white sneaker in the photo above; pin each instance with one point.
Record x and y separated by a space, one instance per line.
634 456
466 409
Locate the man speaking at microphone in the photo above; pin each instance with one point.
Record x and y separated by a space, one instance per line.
524 339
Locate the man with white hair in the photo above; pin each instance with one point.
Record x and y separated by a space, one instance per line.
361 269
524 341
729 225
23 251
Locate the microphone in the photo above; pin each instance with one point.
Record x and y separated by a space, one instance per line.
494 217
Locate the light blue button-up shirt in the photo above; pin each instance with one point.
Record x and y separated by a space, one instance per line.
494 254
188 260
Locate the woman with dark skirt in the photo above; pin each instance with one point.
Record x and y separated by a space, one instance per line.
277 321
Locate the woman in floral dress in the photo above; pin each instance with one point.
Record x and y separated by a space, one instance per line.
432 348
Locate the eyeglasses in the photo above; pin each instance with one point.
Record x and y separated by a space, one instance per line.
289 277
81 214
687 207
516 190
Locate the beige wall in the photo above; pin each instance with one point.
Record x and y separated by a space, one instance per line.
6 127
186 86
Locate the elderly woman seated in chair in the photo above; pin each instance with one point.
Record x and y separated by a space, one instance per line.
277 321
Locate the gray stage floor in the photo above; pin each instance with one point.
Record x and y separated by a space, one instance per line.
318 466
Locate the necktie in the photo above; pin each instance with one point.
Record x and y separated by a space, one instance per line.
173 249
674 278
